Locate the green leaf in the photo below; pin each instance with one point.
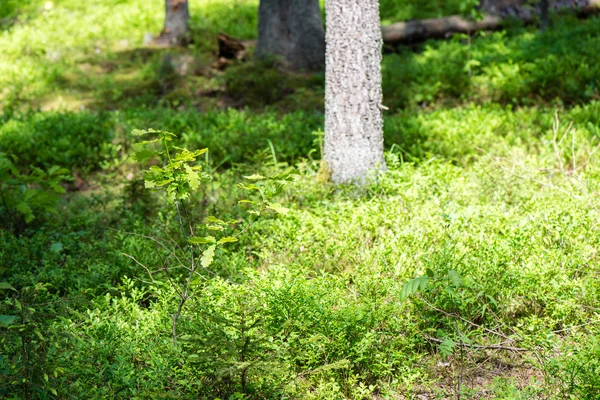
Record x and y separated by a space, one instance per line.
215 220
214 227
192 177
144 155
27 212
247 187
56 247
278 208
38 334
6 286
7 320
447 347
202 240
255 177
227 239
208 256
138 132
455 278
414 286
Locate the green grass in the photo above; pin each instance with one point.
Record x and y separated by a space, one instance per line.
480 201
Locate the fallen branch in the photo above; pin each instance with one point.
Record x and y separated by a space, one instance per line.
435 28
480 346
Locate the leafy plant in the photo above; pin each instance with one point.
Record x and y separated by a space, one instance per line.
179 176
23 196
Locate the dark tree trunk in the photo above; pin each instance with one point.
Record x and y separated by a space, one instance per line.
544 6
293 30
176 27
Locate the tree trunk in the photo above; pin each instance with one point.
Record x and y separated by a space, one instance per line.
544 7
293 30
176 27
353 121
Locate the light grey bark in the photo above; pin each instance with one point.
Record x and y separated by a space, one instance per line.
177 16
293 30
353 121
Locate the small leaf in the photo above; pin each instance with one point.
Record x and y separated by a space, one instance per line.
149 184
215 220
214 227
227 239
138 132
246 202
247 187
192 177
255 177
144 155
38 334
278 208
7 320
56 247
447 347
27 212
455 278
6 286
202 240
414 286
208 256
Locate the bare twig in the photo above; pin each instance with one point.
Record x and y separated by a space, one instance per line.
478 346
455 316
140 264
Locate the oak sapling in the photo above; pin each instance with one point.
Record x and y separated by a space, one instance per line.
178 173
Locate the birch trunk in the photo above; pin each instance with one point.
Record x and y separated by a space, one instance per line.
292 29
353 121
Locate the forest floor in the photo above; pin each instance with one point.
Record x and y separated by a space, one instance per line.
468 270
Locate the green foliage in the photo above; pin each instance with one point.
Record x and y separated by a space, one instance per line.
179 176
522 67
24 196
577 370
263 83
69 140
477 236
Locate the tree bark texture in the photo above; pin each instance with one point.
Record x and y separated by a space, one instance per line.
353 122
434 28
293 30
176 27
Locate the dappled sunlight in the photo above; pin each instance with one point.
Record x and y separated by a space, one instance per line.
168 228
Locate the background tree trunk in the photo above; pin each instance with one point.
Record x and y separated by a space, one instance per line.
544 8
292 29
353 121
176 27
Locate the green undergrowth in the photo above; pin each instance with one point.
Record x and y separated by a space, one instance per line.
100 63
87 142
469 269
311 303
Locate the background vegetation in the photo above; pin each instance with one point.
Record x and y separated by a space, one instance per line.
488 202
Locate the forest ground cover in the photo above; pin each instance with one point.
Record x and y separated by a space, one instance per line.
489 210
